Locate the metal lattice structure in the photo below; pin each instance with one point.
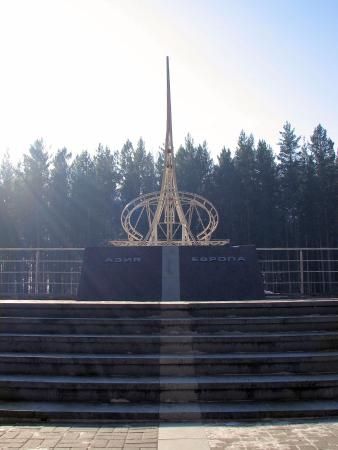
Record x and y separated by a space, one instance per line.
169 217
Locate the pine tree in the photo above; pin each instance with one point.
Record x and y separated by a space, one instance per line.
309 221
267 214
194 167
137 171
245 194
222 194
290 174
8 227
82 200
129 184
144 169
33 195
322 150
107 205
59 200
159 166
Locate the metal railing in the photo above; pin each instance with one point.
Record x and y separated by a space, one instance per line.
40 272
55 272
304 271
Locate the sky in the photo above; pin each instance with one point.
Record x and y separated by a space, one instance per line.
82 72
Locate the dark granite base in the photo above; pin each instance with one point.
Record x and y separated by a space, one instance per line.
171 273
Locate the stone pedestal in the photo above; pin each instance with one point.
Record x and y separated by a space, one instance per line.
171 273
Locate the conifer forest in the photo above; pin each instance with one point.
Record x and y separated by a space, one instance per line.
281 197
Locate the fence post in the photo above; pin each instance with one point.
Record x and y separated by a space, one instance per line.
301 268
37 258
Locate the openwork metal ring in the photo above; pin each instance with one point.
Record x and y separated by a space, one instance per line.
200 214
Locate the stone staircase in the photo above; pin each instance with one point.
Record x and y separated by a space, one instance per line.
169 361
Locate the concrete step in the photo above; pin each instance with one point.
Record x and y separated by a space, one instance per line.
107 309
163 412
123 325
177 344
115 361
218 389
168 365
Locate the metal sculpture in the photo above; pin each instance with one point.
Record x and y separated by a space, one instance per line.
169 217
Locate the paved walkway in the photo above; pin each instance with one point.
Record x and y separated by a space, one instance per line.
316 435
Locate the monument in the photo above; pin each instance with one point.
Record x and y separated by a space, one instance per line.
169 254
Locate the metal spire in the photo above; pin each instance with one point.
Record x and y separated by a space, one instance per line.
169 213
169 146
169 216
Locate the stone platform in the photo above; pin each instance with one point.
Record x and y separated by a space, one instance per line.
168 361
